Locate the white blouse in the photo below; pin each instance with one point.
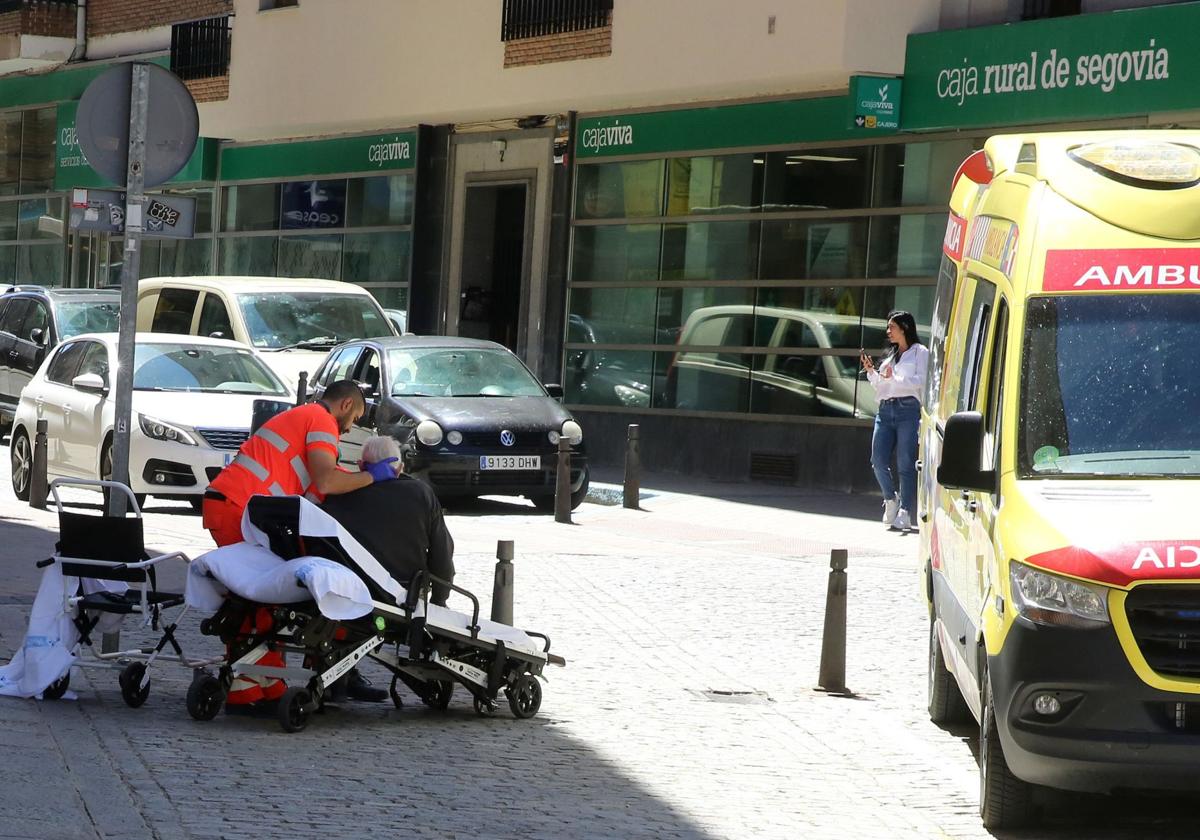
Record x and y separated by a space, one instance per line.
908 375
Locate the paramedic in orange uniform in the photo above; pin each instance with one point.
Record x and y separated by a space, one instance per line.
294 454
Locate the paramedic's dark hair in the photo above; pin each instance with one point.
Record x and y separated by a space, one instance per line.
908 325
344 389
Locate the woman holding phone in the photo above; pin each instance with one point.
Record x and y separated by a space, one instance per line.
899 382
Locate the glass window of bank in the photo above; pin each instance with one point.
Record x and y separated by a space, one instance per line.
356 229
747 283
31 213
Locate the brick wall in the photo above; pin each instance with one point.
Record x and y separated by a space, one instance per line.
564 46
106 17
209 90
50 20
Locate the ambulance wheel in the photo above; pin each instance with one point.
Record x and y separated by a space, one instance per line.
484 708
946 703
58 688
205 697
132 690
1004 800
525 696
293 709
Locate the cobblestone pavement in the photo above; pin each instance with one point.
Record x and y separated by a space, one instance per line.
720 589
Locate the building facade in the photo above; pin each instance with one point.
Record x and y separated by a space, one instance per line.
693 215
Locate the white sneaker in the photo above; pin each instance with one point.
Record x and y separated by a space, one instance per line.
890 508
903 521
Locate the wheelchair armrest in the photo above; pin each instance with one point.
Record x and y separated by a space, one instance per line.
49 561
154 561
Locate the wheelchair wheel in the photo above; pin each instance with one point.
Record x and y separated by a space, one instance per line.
205 697
58 688
132 690
293 709
525 696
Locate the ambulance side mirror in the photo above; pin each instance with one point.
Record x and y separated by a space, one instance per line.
962 454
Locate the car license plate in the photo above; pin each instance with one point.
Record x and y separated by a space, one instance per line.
510 462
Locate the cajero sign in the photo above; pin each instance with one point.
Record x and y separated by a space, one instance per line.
1134 61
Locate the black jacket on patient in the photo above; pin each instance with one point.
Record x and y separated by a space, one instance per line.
400 522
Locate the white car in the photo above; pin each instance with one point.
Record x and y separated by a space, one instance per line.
192 404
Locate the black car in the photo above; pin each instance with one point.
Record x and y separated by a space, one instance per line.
470 417
33 320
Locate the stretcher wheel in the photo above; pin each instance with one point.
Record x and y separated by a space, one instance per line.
58 688
525 696
484 708
293 709
397 701
132 690
205 697
439 698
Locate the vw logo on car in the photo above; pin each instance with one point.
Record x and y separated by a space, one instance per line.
507 438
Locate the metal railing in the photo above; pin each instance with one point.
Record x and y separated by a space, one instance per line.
200 49
531 18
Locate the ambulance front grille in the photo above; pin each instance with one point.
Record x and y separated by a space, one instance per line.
1165 621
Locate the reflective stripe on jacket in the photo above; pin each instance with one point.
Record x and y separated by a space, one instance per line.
274 460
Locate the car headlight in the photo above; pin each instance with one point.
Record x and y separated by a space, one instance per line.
454 438
429 433
573 432
553 437
161 430
632 397
1044 598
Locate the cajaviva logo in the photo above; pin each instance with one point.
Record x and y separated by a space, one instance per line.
883 93
1122 564
1122 268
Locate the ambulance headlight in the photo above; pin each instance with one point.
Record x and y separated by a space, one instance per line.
1141 163
162 430
429 433
573 432
1044 598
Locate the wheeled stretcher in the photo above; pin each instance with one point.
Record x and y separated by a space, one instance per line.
345 607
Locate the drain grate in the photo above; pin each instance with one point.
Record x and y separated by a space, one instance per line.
776 467
718 695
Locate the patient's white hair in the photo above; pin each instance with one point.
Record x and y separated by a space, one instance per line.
380 448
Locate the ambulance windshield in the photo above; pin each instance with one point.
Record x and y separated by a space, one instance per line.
1109 386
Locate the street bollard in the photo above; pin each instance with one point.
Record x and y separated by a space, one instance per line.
38 487
302 388
502 589
833 640
562 484
633 469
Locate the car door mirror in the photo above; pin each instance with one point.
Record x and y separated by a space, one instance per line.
961 467
38 336
91 383
555 391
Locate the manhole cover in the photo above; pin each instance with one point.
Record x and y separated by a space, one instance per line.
718 695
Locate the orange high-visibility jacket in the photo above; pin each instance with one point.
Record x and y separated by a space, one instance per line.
274 460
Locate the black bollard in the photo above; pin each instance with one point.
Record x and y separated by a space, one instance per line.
302 388
562 485
833 640
502 589
633 469
38 486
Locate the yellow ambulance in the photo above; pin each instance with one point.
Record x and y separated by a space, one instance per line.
1060 465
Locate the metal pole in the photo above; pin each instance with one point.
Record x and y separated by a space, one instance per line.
139 99
302 388
502 589
633 469
833 640
562 484
38 489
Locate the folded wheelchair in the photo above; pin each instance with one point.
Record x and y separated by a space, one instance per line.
428 648
107 572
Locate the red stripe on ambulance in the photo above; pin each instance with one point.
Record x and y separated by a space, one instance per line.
1122 268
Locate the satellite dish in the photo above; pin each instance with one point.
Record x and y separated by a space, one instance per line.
172 124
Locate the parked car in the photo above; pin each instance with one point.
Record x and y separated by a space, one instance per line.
293 322
470 417
399 319
192 404
33 320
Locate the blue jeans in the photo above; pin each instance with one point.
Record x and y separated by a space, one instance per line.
896 427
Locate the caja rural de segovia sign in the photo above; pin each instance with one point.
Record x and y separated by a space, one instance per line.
1134 61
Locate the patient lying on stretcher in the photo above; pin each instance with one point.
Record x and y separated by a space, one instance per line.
399 522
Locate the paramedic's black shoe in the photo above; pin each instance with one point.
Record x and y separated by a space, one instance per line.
359 688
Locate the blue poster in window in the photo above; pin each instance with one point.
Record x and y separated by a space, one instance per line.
314 204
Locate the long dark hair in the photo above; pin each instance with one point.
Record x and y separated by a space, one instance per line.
908 324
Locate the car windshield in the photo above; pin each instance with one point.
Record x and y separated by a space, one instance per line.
87 316
310 320
1107 386
459 372
198 367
